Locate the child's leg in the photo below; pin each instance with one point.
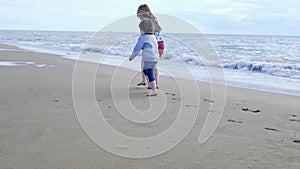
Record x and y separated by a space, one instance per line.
161 52
150 74
161 47
156 73
144 79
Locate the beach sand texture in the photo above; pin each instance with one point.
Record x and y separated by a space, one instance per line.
39 126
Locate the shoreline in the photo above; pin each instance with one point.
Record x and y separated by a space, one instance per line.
71 55
39 127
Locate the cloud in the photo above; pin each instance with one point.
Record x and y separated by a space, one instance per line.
220 11
212 16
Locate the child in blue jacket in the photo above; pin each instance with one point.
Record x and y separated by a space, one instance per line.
148 44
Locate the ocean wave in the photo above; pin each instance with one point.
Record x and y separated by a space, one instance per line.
275 69
105 51
191 60
75 49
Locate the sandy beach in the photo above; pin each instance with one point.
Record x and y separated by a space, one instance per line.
39 127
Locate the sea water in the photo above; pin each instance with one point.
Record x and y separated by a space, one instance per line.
261 62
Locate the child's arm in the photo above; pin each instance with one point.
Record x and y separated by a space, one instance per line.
138 47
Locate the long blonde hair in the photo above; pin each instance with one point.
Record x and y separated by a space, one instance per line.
145 12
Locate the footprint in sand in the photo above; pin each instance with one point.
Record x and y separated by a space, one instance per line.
234 121
208 100
172 94
293 118
296 120
271 129
188 105
253 111
297 141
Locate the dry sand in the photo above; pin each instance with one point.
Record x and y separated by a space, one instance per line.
39 126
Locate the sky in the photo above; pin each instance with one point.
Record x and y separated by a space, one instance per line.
259 17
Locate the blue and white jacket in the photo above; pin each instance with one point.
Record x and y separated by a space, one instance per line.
148 44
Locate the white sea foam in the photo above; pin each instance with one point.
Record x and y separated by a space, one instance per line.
22 63
10 63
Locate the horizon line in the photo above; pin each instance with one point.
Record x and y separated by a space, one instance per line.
211 33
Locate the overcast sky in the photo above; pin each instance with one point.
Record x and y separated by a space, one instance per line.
209 16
